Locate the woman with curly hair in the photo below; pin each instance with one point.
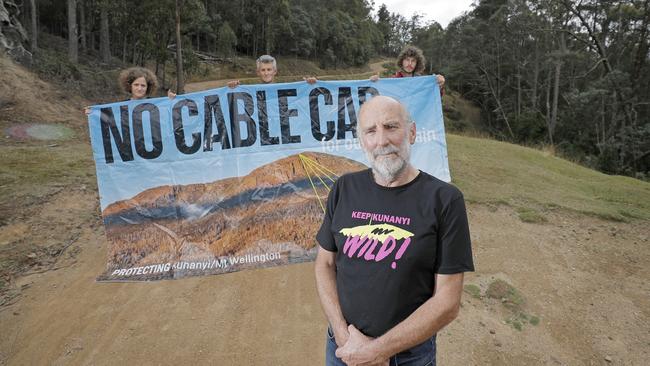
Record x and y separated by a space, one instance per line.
411 63
138 82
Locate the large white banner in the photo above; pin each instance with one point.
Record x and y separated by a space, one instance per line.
230 179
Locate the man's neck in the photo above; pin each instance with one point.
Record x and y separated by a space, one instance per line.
406 176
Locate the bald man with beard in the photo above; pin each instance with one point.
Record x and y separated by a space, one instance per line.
388 285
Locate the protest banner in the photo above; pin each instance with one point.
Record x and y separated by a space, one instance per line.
231 179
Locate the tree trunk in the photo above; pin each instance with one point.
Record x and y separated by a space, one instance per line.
124 48
602 124
548 97
535 78
642 48
83 26
164 66
556 91
92 42
498 77
605 60
180 85
104 34
24 16
34 21
496 98
518 91
268 35
134 52
254 46
73 50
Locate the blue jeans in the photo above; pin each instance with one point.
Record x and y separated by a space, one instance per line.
423 354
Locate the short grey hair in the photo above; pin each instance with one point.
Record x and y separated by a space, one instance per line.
266 59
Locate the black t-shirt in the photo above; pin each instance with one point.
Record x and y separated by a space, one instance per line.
389 244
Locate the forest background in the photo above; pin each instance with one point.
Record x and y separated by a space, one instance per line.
571 75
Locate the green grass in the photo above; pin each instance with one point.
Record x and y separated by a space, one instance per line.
509 296
519 320
390 68
511 299
31 171
516 324
489 171
530 215
473 290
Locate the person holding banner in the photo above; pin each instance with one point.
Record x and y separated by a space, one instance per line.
139 83
411 63
393 247
267 68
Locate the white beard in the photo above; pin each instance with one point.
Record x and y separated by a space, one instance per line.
391 166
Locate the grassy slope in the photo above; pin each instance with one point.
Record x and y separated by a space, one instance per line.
31 170
289 69
495 172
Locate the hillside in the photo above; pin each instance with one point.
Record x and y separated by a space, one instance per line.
289 69
561 253
495 172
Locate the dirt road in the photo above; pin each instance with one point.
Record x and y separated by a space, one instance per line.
585 279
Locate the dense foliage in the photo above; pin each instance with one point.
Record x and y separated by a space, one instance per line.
570 73
336 33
